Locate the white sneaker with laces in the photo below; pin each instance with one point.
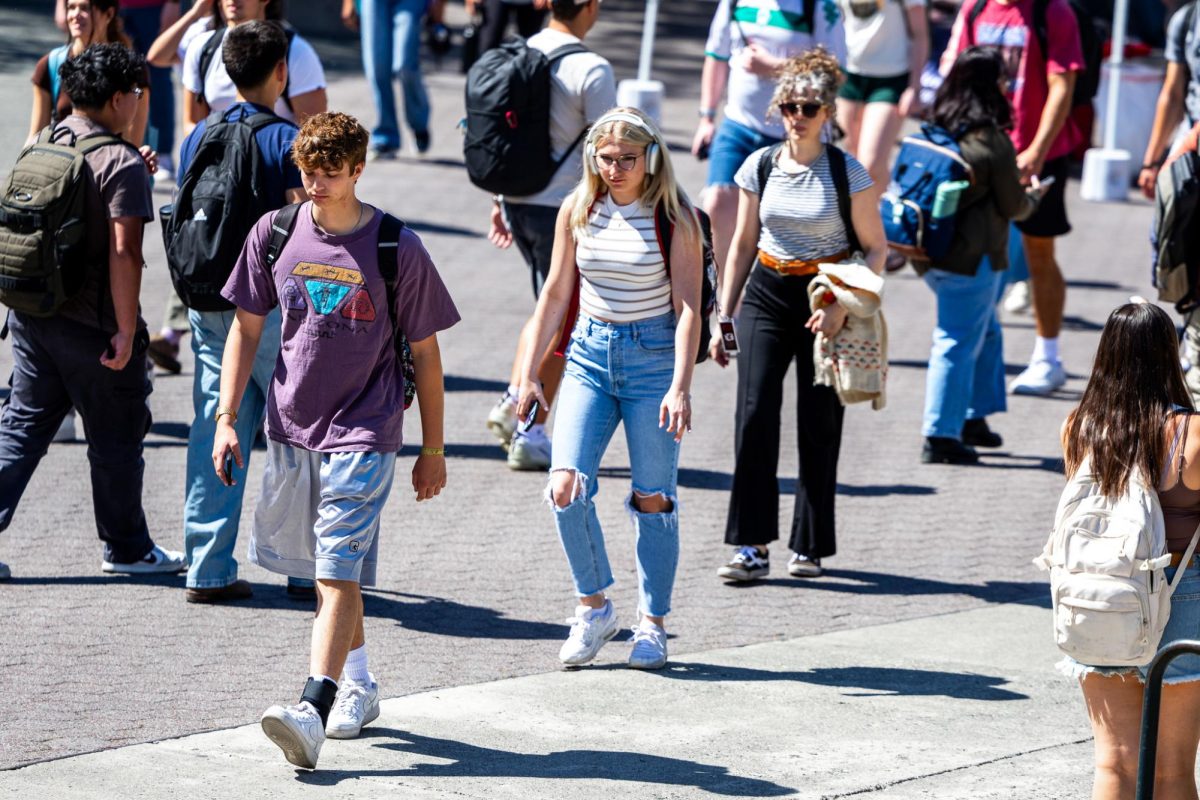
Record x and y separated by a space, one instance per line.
1040 378
591 628
529 451
804 567
157 560
1017 301
502 419
747 564
356 705
297 731
649 646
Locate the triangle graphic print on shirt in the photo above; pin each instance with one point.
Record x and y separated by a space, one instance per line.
359 307
293 296
325 295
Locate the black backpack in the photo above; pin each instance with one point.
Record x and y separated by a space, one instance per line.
388 253
220 198
506 145
209 53
1090 40
43 239
1175 235
664 230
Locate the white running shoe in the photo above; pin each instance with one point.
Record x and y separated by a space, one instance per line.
747 564
297 731
356 704
1040 378
649 646
529 452
591 628
804 567
502 419
66 430
1017 300
157 560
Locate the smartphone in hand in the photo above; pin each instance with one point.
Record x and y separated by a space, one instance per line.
729 342
531 417
227 469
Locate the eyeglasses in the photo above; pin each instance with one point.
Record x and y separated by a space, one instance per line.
809 110
624 163
136 92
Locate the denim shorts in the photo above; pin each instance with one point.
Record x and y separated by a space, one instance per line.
731 146
1183 624
318 513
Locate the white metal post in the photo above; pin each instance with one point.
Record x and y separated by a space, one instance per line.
1115 62
649 24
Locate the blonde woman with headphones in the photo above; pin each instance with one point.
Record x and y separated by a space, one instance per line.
630 358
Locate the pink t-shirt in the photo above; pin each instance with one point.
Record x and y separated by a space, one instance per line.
338 386
1010 27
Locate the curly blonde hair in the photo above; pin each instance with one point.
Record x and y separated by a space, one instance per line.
814 69
330 140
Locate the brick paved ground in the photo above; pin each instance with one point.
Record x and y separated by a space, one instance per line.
473 586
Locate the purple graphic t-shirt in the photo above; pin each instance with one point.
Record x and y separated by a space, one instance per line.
338 385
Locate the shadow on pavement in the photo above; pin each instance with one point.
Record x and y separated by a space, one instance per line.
472 761
449 618
874 680
845 581
463 383
723 481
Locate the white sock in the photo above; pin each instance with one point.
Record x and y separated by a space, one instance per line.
1045 350
536 431
356 665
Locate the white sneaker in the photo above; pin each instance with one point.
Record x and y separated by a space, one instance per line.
747 564
66 431
1017 300
502 419
157 560
298 732
356 704
649 646
1040 378
804 567
529 452
590 630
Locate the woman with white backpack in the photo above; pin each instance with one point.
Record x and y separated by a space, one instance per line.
1134 419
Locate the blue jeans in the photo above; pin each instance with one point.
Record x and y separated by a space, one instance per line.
142 26
212 510
1018 267
619 373
391 45
731 146
966 367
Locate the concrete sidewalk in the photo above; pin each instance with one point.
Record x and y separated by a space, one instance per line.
953 706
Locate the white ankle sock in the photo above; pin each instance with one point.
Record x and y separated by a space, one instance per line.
1045 350
536 431
356 665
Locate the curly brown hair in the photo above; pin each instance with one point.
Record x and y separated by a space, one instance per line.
330 140
815 69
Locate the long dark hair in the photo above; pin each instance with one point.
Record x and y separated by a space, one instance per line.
116 28
1136 381
970 96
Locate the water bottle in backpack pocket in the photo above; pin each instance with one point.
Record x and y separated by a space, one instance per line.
920 208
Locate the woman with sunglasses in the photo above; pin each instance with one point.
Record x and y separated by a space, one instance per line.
965 381
630 359
787 225
88 22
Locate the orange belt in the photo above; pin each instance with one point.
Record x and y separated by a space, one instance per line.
1177 558
798 266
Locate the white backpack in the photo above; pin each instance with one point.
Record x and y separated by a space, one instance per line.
1106 557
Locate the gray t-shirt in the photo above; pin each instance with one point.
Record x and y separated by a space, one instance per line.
1183 47
582 88
799 212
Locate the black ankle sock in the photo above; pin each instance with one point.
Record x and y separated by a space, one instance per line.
321 694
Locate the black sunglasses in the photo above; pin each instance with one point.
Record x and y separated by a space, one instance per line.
809 110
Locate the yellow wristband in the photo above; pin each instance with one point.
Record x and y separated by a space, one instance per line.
433 451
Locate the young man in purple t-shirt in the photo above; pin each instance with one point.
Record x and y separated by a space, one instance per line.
335 412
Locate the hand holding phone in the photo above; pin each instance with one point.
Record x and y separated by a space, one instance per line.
531 417
227 469
729 342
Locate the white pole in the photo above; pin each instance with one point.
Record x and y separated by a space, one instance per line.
648 26
1115 61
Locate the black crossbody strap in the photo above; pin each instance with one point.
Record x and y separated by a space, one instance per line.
766 163
207 55
390 229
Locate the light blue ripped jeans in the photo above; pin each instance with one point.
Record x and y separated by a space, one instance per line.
618 373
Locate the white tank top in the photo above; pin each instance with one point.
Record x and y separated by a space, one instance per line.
622 276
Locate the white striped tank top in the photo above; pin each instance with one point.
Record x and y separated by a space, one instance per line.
622 276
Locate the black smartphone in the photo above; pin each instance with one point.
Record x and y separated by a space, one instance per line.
702 153
729 342
228 468
531 417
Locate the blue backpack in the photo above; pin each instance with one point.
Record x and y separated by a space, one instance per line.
920 206
58 57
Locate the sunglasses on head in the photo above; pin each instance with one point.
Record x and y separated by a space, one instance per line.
809 110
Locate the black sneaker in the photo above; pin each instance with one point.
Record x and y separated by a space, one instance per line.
421 138
941 450
976 433
747 564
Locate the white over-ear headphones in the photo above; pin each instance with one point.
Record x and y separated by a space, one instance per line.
653 150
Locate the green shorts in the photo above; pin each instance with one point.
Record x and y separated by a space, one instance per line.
865 89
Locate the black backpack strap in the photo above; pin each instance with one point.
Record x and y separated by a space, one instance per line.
554 56
810 16
1041 30
766 163
281 230
388 251
290 32
207 55
664 231
972 16
841 184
